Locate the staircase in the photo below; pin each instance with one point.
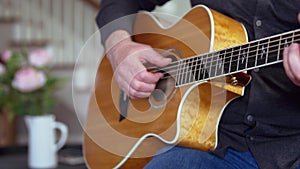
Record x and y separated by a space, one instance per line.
61 26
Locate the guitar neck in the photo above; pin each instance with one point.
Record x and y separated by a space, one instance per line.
236 59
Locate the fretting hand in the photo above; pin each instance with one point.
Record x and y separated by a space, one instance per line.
291 61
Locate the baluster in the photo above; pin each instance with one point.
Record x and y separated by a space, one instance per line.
6 9
68 31
17 26
47 19
78 27
26 20
57 31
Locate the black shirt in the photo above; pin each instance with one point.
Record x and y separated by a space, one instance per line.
266 120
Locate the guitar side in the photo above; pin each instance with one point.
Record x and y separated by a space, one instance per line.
199 106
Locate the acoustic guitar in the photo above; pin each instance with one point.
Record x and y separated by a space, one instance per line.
210 56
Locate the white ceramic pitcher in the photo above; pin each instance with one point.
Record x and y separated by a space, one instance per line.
42 146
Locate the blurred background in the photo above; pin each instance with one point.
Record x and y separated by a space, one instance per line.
62 27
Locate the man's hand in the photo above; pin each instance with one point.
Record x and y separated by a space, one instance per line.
128 59
291 61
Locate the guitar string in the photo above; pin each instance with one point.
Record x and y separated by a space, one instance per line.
169 69
190 77
191 70
249 46
174 64
167 75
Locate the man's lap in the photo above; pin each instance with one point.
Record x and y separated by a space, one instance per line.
185 158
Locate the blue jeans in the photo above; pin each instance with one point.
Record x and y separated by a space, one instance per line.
185 158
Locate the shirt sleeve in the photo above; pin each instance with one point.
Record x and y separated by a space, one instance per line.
119 14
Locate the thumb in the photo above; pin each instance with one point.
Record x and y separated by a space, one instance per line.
156 59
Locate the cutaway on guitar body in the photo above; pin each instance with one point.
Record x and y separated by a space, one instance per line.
186 107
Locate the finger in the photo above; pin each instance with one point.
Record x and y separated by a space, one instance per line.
142 86
133 94
292 62
286 63
135 87
155 58
299 17
149 77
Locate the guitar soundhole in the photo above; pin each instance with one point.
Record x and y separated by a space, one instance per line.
163 93
165 88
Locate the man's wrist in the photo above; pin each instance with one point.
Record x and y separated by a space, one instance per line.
115 38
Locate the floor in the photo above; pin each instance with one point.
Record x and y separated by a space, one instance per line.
69 157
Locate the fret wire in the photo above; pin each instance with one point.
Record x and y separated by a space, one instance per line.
206 62
194 69
205 67
255 55
178 72
190 69
280 36
190 74
248 68
279 47
210 77
210 67
253 42
239 55
293 36
214 76
267 53
184 72
237 65
199 72
181 71
230 60
201 68
217 62
187 71
214 64
252 51
223 64
264 43
247 56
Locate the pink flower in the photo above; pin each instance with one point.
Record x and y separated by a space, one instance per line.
39 58
6 55
2 69
28 79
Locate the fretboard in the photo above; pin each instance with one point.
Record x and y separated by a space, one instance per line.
240 58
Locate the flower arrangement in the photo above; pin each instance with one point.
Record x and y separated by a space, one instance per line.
26 86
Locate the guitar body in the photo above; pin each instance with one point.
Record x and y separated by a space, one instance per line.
188 116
